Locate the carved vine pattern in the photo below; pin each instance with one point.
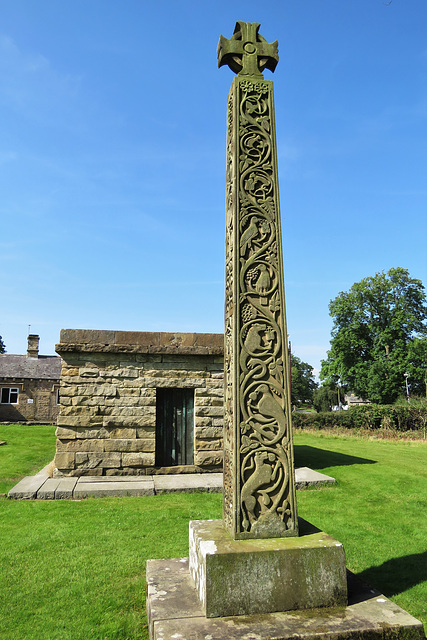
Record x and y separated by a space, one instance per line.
229 328
264 431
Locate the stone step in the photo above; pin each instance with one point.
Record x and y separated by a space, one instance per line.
27 488
42 487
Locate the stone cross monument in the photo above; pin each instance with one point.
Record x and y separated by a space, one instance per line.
245 572
259 486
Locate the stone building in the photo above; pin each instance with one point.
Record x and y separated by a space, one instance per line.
139 403
29 385
354 401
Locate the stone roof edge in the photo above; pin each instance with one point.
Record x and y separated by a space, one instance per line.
115 348
16 378
93 341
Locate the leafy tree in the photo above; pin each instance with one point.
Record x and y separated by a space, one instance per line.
378 335
2 346
303 383
327 396
417 367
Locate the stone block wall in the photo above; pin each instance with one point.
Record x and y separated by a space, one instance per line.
107 419
37 401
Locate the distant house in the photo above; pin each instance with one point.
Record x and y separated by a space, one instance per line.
29 385
352 400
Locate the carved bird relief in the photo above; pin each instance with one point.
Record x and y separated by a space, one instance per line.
262 285
249 235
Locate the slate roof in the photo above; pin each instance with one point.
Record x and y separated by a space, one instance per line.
41 368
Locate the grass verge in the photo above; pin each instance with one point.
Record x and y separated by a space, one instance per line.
377 510
76 569
28 449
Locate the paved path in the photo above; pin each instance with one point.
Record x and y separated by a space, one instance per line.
41 487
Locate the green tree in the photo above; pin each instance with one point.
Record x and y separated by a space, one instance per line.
328 395
303 383
2 346
377 324
417 367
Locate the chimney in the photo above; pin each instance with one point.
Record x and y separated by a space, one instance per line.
33 346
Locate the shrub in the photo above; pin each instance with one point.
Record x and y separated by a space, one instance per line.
372 417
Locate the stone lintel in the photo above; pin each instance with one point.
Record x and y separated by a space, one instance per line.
174 612
83 340
244 577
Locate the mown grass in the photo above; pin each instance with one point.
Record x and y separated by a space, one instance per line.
76 570
28 449
378 510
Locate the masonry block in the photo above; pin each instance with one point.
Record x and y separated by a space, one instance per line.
62 432
95 444
91 460
135 445
242 577
208 458
65 460
138 459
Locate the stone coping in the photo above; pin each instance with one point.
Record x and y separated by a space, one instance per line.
88 340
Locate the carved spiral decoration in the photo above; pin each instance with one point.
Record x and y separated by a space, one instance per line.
263 440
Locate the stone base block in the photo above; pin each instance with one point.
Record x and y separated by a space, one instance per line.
174 613
244 577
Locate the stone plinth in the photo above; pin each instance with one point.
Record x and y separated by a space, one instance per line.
244 577
175 613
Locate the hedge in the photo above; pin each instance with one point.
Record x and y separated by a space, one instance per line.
371 416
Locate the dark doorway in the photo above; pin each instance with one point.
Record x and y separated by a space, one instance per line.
174 427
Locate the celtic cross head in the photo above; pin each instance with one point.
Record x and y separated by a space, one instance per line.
247 53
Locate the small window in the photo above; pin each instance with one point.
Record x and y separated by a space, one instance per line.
58 401
9 395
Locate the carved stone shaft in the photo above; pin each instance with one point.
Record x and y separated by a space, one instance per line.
259 484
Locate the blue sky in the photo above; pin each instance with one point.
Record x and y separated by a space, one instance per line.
112 159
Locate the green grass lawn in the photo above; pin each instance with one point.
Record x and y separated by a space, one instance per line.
378 510
76 569
28 449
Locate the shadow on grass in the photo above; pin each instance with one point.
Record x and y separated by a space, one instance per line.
306 456
397 574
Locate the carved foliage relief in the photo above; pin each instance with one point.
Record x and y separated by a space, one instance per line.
229 327
256 386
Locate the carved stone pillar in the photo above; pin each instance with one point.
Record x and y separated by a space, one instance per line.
259 485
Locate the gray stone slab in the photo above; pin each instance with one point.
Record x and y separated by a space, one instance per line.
110 489
105 479
27 488
305 477
174 613
31 486
65 488
162 577
211 482
48 489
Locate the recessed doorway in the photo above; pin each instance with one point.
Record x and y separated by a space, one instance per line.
174 427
